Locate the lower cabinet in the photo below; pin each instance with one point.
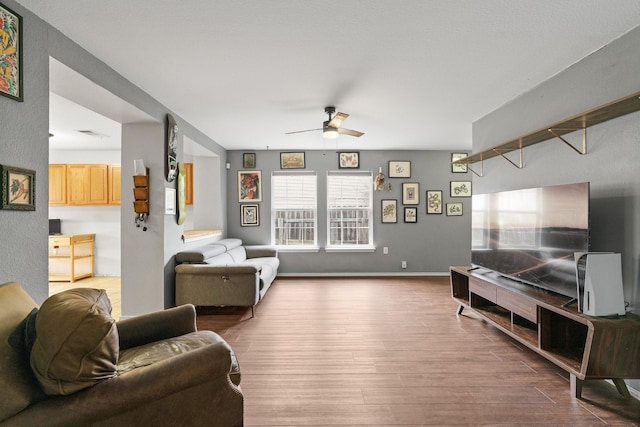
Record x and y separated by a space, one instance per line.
71 257
585 346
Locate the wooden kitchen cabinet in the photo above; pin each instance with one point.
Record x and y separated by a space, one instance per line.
71 257
188 167
115 180
87 184
57 185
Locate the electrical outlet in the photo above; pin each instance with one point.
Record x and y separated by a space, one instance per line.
385 250
404 264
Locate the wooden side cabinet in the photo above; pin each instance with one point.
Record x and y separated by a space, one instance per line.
71 257
587 347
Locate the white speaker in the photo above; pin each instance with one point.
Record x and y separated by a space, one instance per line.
599 278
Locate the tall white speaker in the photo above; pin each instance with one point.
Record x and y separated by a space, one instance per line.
599 278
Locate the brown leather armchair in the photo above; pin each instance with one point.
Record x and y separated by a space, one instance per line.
168 374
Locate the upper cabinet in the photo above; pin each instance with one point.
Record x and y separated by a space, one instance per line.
84 184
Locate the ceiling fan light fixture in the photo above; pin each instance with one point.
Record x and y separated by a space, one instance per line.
329 132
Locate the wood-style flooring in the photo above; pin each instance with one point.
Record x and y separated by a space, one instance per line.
109 283
390 352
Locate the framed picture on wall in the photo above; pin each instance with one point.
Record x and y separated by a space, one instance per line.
249 160
410 214
11 56
389 211
460 189
249 186
18 188
434 202
292 160
454 209
350 160
399 169
410 193
458 168
249 215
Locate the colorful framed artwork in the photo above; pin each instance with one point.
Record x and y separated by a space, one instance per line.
248 160
458 168
410 214
460 189
171 167
389 211
454 209
10 54
292 160
249 186
434 202
350 160
410 193
249 215
18 188
399 169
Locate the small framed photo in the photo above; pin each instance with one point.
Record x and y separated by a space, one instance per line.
410 193
454 209
434 202
460 189
248 160
292 160
458 168
350 160
399 169
18 188
389 211
11 54
410 214
249 215
249 186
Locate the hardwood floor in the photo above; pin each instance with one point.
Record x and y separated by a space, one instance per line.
109 283
392 351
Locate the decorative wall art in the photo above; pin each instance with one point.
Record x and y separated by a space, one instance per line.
249 160
350 160
292 160
399 169
454 209
460 189
434 202
18 188
389 211
458 168
249 215
10 54
410 214
249 186
410 193
171 149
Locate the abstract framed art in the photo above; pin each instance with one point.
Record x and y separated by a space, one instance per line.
389 211
249 186
434 202
10 54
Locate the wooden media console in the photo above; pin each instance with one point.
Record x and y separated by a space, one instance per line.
586 347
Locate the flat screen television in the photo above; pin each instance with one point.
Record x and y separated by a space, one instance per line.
531 235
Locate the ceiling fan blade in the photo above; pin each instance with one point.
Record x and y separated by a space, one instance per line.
350 132
301 131
338 119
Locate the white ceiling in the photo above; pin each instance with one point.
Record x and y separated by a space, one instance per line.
413 74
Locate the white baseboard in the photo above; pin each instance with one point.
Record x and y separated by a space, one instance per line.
366 274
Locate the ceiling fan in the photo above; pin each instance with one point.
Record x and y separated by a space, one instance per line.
331 128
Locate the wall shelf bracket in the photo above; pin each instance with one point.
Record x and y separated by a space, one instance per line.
556 132
479 174
501 154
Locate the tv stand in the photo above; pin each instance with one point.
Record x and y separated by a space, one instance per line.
587 347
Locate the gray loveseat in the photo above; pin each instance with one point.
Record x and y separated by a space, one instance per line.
225 273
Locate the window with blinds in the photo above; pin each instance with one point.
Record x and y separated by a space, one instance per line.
349 209
294 209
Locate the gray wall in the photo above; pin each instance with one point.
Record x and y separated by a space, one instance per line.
24 143
431 245
611 165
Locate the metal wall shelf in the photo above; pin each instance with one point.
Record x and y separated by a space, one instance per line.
582 121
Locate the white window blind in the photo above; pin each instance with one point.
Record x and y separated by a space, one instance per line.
349 206
294 208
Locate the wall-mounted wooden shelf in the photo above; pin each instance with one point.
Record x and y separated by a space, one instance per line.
582 121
